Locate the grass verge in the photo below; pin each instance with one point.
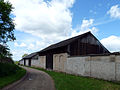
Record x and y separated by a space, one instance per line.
12 77
71 82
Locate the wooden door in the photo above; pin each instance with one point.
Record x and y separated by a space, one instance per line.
49 61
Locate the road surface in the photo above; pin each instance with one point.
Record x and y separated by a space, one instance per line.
34 80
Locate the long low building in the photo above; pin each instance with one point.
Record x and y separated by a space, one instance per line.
55 56
81 55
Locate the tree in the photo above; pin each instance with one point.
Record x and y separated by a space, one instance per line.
6 22
5 52
24 55
6 28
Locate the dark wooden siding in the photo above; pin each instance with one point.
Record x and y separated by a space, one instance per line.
86 45
29 62
24 62
49 61
83 44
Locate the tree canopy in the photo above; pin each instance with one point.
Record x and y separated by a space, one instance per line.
24 55
6 22
4 52
6 28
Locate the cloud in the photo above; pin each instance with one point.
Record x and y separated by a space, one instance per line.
112 43
17 54
20 45
93 12
114 12
50 20
46 22
87 25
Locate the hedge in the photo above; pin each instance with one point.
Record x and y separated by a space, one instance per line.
8 69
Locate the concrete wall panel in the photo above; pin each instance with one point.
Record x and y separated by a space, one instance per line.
76 65
27 64
41 62
118 67
103 70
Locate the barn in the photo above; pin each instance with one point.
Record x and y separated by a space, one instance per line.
81 55
55 56
29 59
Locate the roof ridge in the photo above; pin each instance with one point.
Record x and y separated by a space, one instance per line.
75 37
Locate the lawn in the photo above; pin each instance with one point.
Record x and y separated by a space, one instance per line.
9 76
70 82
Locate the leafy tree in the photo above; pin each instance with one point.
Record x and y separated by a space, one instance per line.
6 22
24 55
5 52
6 28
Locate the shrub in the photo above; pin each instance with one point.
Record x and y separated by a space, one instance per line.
8 69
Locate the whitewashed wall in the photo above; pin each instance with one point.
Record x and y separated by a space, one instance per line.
117 68
103 67
76 65
27 62
59 61
34 62
41 62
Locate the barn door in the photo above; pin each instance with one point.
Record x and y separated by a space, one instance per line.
49 61
29 62
24 62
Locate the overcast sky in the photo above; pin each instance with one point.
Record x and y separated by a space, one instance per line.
40 23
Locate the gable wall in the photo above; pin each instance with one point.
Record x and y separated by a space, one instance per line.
87 45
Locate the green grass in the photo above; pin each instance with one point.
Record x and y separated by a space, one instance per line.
70 82
11 77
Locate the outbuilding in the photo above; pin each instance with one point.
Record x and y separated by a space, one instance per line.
27 60
82 45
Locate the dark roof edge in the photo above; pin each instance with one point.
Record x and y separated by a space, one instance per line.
66 40
30 55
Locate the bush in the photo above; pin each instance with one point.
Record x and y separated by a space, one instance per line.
8 69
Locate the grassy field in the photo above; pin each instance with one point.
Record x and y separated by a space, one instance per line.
70 82
10 74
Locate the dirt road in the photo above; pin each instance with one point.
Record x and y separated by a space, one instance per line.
35 80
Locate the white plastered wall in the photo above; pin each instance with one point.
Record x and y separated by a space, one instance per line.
103 67
59 61
41 62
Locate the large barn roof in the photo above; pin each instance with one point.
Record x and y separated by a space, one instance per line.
65 42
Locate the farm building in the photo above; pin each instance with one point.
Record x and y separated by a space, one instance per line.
55 56
27 60
81 55
81 45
